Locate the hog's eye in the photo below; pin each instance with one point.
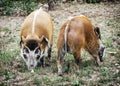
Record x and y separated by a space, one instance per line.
25 56
37 57
26 50
37 51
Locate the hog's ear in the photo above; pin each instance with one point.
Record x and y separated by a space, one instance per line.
22 41
97 32
43 40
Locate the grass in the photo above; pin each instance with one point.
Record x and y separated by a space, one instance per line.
6 29
114 78
104 72
37 81
10 7
87 69
6 56
12 67
105 80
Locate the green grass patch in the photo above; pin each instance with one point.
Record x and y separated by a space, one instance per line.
117 55
8 6
114 78
105 80
23 68
88 71
106 72
115 25
7 56
77 82
5 29
37 81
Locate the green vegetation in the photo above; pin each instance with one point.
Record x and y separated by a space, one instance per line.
92 1
37 81
9 6
13 70
87 68
24 7
7 56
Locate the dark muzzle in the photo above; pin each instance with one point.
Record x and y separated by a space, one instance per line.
101 53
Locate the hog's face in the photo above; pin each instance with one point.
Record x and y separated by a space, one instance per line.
101 49
31 54
32 51
31 57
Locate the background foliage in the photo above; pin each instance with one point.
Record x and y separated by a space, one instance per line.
24 7
8 7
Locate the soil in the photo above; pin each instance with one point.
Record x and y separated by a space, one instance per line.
97 13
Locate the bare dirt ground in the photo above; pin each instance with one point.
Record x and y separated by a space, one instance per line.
13 71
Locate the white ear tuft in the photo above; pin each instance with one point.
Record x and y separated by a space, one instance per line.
70 17
40 9
82 15
27 48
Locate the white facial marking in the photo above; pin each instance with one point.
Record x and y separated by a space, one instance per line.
102 46
31 58
82 15
70 17
35 17
27 48
42 54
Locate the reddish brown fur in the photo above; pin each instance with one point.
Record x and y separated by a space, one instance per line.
80 35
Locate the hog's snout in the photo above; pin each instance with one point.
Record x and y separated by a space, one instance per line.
101 53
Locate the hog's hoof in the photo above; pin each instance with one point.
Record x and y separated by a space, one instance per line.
60 73
98 63
32 71
77 72
50 59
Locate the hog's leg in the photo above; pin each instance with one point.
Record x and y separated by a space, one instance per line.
77 57
60 56
49 52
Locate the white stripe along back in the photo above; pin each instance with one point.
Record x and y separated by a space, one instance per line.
35 16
